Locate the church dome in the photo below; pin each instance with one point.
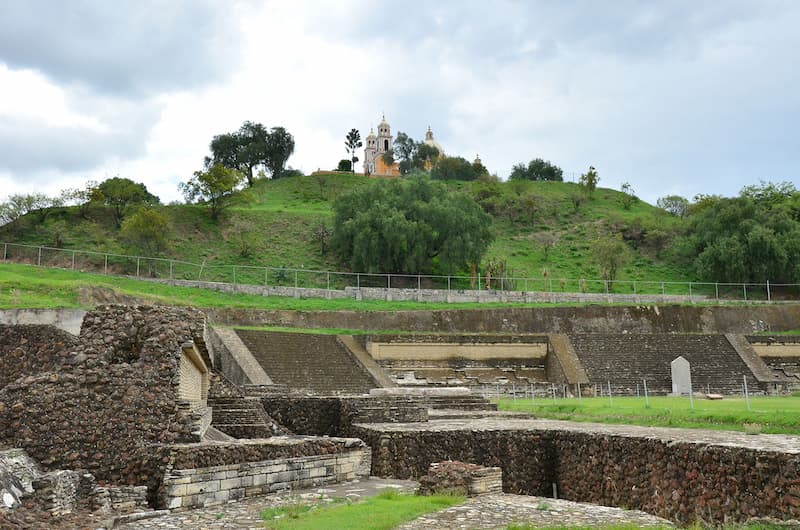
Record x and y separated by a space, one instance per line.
371 133
433 143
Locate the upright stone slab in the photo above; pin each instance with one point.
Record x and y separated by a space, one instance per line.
681 377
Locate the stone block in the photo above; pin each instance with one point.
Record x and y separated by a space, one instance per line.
175 502
260 479
230 484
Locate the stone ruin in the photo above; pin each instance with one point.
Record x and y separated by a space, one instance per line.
136 413
118 418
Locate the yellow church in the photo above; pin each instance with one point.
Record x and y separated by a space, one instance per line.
378 146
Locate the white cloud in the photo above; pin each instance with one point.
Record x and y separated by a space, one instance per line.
674 98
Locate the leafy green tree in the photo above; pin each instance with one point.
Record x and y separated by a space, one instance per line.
214 187
537 169
589 181
425 156
674 204
20 204
121 194
250 147
411 226
344 165
147 231
404 150
453 168
352 143
750 238
628 196
610 254
280 146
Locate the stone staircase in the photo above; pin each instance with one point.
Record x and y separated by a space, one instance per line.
626 359
315 364
471 402
238 415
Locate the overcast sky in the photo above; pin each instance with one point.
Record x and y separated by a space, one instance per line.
674 97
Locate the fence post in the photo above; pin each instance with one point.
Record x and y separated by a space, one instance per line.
73 260
39 259
234 274
358 280
5 251
419 282
769 297
716 289
266 276
690 289
634 286
329 280
105 264
448 283
479 281
744 287
170 268
137 265
295 278
388 281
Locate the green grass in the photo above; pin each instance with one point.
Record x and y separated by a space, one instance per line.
384 511
31 287
775 415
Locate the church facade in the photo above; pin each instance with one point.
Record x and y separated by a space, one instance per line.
376 161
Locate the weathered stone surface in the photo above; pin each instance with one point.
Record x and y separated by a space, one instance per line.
679 474
118 395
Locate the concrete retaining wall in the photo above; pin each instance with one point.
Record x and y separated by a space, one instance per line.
589 319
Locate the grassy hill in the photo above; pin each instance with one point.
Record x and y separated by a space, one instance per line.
272 223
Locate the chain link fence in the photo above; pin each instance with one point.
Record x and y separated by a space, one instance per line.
171 269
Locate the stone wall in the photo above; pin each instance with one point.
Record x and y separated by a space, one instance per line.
680 481
588 319
334 416
31 349
113 398
218 474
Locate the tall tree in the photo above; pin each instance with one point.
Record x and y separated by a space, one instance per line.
214 187
250 147
280 146
589 181
412 225
352 142
122 193
403 152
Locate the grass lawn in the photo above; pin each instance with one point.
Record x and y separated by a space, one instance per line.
384 511
775 415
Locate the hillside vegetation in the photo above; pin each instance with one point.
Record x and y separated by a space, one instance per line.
542 229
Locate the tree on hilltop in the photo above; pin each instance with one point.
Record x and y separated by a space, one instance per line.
589 181
250 147
353 142
537 169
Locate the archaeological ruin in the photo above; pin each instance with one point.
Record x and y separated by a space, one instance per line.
133 409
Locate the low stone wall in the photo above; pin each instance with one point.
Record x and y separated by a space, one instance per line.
244 470
680 480
334 416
